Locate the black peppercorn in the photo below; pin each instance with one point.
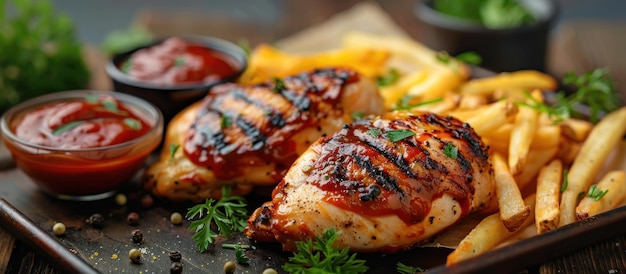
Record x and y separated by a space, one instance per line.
175 256
176 268
137 236
133 218
96 220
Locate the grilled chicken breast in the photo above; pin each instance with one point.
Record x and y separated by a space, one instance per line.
386 183
250 135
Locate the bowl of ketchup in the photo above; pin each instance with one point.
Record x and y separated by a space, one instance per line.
82 145
174 72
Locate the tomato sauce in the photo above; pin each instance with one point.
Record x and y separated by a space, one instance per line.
176 61
95 122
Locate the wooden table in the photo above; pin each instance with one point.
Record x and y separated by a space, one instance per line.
578 46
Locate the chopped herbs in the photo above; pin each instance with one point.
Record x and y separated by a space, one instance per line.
565 181
443 57
132 123
470 57
321 256
374 132
407 269
357 115
173 149
91 98
450 150
110 106
240 254
388 79
228 214
67 127
279 85
493 14
406 103
225 122
399 134
179 61
595 89
596 193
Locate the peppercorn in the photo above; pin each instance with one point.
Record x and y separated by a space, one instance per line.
137 236
175 256
120 199
146 201
96 220
269 271
176 218
132 218
229 267
58 229
135 255
176 268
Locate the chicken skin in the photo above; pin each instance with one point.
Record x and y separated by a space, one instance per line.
386 183
244 136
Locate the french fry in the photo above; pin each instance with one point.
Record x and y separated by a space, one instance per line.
521 138
613 185
472 101
568 150
513 210
537 159
548 196
576 129
519 80
487 118
490 232
596 148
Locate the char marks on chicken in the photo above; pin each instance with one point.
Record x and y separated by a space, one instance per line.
244 136
386 183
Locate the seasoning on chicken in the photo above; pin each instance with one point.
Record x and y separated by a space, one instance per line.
250 135
386 183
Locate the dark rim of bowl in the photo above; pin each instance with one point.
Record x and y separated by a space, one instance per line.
425 12
140 104
221 45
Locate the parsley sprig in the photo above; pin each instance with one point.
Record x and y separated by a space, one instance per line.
229 214
594 89
321 256
407 269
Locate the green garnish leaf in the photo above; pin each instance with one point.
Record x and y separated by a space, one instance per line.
406 104
596 193
595 89
240 255
470 57
132 123
490 13
91 98
565 181
357 115
67 127
229 214
110 105
407 269
321 256
173 149
450 150
388 79
399 134
279 85
225 122
179 61
443 57
374 132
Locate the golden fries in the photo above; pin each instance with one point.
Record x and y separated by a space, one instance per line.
513 210
605 195
519 80
521 138
548 196
601 140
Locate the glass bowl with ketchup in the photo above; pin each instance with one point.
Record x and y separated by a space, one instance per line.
82 145
176 71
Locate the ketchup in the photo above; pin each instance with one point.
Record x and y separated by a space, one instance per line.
95 122
176 61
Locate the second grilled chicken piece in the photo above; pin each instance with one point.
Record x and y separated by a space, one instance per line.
386 184
249 135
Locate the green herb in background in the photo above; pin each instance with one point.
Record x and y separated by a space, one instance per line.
388 79
489 13
39 52
407 269
120 41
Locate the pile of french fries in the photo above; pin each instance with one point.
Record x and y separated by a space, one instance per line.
548 174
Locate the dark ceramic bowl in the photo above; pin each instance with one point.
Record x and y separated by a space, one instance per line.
506 49
171 99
